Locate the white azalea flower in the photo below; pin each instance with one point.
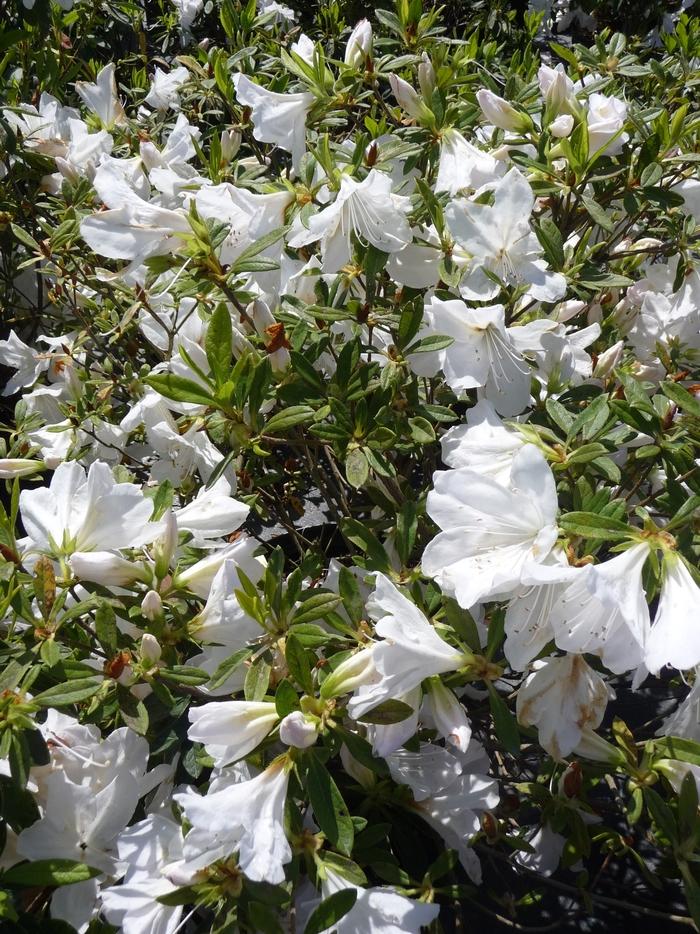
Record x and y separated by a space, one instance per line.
561 696
368 209
490 532
483 443
378 910
674 638
606 117
498 238
133 228
500 113
463 166
411 650
146 848
86 513
101 98
165 86
229 730
277 118
482 353
599 609
245 818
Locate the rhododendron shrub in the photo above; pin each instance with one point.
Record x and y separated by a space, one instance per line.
349 538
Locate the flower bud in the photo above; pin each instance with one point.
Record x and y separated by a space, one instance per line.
164 546
152 605
356 670
359 44
556 87
230 144
500 113
449 715
11 467
426 77
565 311
608 360
150 649
104 567
406 97
594 747
296 729
562 126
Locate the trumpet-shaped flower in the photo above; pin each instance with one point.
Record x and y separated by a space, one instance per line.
368 209
489 531
497 238
277 118
101 98
245 818
87 513
229 730
464 166
377 910
482 353
411 650
674 638
561 697
483 443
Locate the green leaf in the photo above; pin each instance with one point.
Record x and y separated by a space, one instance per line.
180 389
683 399
106 627
228 666
356 468
262 244
388 712
430 344
360 536
349 589
592 525
504 722
286 698
257 680
598 214
288 418
330 911
329 808
46 872
550 237
218 343
298 663
422 431
315 605
71 692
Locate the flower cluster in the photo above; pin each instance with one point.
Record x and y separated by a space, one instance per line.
352 472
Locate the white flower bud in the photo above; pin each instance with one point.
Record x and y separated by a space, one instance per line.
359 44
565 311
356 670
556 87
449 715
426 77
406 97
298 730
562 126
105 567
150 649
164 546
500 113
230 144
608 360
151 605
11 467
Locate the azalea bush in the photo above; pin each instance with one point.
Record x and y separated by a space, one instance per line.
349 547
